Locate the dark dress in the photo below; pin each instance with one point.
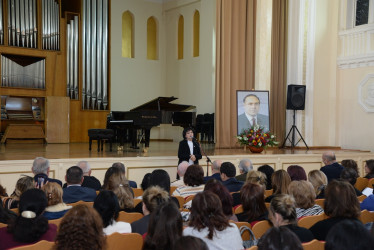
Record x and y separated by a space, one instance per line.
140 226
305 235
321 228
243 217
184 151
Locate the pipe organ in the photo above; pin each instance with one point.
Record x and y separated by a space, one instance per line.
50 24
72 41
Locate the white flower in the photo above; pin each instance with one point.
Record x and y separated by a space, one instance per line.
245 139
239 137
272 136
260 144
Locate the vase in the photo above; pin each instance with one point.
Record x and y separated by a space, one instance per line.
255 150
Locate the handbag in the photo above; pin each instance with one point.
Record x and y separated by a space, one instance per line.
252 239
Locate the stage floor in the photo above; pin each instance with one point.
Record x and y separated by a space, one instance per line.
157 148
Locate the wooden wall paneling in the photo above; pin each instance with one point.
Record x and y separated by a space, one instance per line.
81 121
57 125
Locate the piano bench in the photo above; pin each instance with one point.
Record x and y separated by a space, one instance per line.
100 135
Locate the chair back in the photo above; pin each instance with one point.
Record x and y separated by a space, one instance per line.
41 245
129 217
137 201
314 245
87 203
180 200
15 210
260 228
3 225
132 241
137 192
366 216
172 189
189 198
361 198
361 183
320 202
267 205
309 221
371 183
238 209
253 248
268 192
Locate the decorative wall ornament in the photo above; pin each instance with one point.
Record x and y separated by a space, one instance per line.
366 93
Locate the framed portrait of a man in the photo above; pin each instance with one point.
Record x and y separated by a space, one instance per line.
252 109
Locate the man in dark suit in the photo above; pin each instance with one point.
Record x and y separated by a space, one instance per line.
245 166
251 116
228 172
89 181
332 169
216 171
40 168
122 168
74 191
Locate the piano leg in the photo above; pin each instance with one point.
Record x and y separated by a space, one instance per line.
147 137
134 143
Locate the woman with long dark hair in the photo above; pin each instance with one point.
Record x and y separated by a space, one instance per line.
30 226
165 227
208 223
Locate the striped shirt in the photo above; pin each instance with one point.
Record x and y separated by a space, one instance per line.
315 210
186 191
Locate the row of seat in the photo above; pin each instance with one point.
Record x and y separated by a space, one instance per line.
362 183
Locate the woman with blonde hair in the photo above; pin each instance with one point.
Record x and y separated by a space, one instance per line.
304 195
280 180
24 183
319 182
56 207
81 228
282 213
254 177
115 181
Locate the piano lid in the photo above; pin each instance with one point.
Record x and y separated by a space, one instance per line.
163 103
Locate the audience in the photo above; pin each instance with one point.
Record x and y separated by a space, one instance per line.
319 182
115 181
40 168
228 172
193 180
279 238
256 177
280 180
283 214
340 203
208 223
88 181
181 170
304 195
145 182
268 171
226 199
252 199
349 235
152 198
165 227
349 163
245 166
332 169
369 169
30 226
190 242
121 167
216 173
297 173
24 183
56 207
106 204
81 228
74 191
350 175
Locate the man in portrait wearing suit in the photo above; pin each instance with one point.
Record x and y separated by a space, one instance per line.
251 116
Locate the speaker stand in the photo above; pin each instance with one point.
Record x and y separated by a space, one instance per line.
293 129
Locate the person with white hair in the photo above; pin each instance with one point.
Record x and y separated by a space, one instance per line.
182 167
89 181
245 166
216 173
332 168
40 169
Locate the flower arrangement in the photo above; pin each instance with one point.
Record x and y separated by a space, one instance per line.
257 137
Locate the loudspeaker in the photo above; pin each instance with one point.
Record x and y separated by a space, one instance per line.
296 97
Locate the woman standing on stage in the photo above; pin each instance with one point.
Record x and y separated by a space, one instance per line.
189 149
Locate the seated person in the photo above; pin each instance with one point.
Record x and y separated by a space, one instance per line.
122 168
106 204
30 226
319 182
304 195
24 183
282 213
369 169
74 191
268 171
193 180
152 198
56 207
216 173
280 181
245 166
350 175
89 181
297 173
228 173
40 169
182 168
279 238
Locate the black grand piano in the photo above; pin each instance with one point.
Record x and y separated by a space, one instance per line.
151 114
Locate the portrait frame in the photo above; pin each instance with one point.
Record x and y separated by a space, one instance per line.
263 115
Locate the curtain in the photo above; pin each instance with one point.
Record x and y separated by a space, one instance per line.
278 85
235 63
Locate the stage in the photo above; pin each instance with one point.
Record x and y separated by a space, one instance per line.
16 159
